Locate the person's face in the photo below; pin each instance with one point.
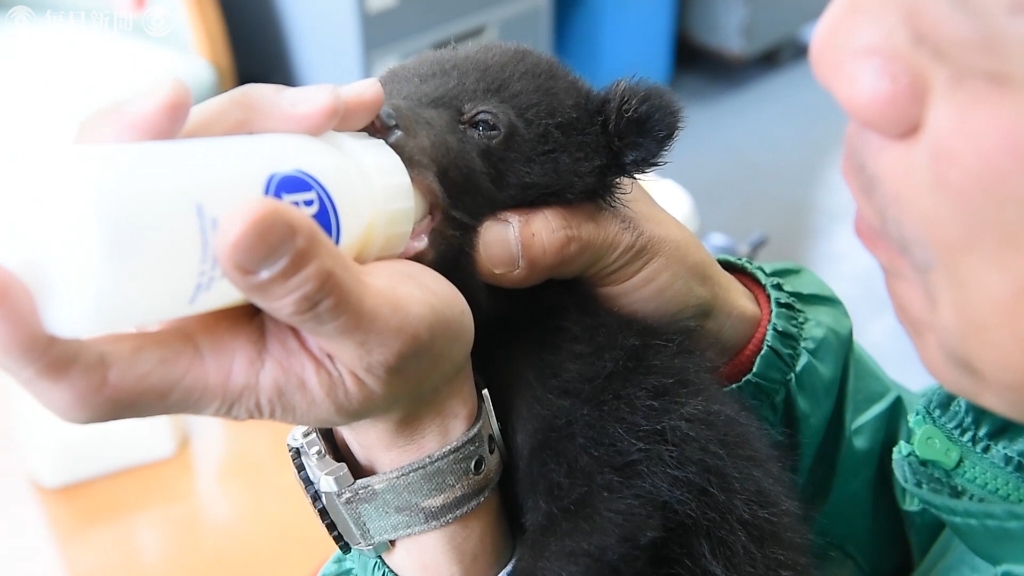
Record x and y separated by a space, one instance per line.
935 160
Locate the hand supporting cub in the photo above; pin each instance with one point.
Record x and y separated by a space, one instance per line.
640 259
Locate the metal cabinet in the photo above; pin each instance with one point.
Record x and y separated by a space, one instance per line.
745 29
299 42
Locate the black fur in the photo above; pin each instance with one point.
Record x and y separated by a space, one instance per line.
627 457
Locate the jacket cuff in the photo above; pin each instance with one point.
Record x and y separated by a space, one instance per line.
355 564
776 362
743 362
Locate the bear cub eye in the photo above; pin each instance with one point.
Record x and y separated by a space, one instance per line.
485 125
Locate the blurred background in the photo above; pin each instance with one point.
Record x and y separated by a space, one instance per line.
760 154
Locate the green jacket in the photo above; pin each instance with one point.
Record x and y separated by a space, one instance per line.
899 483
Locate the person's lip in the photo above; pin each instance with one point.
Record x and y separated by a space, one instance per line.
866 223
852 158
876 243
868 234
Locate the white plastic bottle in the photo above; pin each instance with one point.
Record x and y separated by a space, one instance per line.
113 237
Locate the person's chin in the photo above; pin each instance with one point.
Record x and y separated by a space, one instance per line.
939 355
915 315
906 307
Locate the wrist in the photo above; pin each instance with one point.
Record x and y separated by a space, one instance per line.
388 442
736 318
743 361
478 542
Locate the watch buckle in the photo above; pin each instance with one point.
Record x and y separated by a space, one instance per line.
329 478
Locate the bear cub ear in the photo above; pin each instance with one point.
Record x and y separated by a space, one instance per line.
641 121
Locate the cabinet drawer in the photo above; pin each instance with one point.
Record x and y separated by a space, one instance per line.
389 21
525 22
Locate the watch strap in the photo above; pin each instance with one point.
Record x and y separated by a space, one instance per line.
369 513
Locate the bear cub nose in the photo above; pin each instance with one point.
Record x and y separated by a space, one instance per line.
387 119
384 126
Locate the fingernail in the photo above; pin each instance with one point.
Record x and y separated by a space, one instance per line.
312 97
362 87
266 248
499 246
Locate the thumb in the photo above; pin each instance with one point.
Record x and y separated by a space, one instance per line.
527 247
285 265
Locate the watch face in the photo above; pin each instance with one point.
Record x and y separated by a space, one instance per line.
315 500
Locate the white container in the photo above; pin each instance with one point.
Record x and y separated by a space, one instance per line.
114 237
56 454
673 198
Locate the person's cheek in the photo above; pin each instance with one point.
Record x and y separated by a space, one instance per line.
975 183
973 179
975 157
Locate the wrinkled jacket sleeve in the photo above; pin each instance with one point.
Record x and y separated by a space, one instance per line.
841 416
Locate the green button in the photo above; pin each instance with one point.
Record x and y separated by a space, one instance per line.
933 446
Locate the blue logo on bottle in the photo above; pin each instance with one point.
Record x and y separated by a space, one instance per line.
305 193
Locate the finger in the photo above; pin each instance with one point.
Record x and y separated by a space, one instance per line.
23 342
256 108
157 115
118 376
527 247
284 263
363 101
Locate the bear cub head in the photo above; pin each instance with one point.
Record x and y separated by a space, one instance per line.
500 126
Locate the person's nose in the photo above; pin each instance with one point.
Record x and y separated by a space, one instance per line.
861 55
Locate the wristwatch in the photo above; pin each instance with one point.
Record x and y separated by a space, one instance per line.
368 514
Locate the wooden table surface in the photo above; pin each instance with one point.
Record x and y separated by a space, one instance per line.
226 504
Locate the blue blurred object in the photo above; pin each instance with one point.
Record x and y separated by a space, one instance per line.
603 40
721 244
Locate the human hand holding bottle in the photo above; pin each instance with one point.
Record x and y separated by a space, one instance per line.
379 351
294 356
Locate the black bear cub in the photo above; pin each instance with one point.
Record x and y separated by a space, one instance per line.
626 456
